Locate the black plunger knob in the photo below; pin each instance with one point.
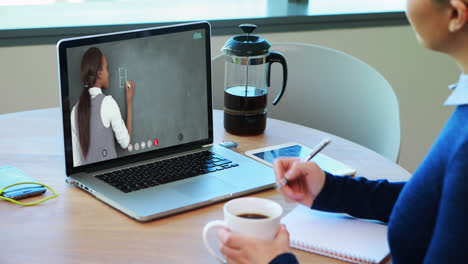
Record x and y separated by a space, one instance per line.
248 28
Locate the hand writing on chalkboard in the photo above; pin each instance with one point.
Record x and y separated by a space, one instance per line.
129 92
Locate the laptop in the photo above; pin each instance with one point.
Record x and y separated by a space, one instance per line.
171 164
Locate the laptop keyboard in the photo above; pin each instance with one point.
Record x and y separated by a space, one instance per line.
165 171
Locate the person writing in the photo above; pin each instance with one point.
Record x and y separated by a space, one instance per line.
96 118
427 216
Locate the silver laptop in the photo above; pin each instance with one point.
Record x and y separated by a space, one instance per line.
171 164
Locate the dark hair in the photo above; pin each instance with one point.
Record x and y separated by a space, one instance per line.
91 63
444 2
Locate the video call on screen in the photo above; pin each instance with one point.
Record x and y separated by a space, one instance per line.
170 100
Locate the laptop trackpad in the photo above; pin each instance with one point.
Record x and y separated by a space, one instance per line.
205 187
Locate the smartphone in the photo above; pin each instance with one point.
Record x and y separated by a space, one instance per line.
10 175
269 154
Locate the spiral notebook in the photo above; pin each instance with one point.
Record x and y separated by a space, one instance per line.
337 235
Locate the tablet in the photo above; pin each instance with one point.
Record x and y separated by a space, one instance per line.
268 154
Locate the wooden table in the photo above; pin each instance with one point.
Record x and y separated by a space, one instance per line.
77 228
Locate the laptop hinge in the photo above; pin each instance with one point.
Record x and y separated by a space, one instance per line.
207 145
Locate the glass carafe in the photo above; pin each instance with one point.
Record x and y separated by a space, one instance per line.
247 79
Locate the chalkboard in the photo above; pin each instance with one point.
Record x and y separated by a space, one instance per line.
169 72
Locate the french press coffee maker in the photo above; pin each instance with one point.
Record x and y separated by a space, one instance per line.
247 79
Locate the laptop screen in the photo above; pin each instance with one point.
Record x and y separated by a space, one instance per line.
168 72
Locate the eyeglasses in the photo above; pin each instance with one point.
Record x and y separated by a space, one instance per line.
5 189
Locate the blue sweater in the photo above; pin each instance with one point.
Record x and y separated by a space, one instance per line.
428 216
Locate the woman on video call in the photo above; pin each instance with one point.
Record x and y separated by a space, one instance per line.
428 215
96 118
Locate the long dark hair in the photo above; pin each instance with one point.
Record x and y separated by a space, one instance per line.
91 63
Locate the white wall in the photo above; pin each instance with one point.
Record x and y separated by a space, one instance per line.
419 77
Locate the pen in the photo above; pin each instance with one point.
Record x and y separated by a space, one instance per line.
315 151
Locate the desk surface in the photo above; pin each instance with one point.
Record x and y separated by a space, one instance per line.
77 228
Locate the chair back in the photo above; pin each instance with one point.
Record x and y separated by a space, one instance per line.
331 91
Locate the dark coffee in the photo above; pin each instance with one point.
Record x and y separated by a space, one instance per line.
252 216
245 110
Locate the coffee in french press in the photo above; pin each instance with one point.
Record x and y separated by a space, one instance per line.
247 79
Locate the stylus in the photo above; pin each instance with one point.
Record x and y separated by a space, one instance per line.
284 181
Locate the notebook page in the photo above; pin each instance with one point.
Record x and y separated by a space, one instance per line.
337 235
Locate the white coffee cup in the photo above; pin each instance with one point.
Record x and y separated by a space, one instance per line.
264 228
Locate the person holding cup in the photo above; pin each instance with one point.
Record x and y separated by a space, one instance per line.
427 215
253 221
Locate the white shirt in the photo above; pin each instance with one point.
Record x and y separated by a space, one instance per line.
459 96
110 116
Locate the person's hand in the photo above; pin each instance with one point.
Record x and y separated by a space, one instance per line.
305 179
129 91
242 249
